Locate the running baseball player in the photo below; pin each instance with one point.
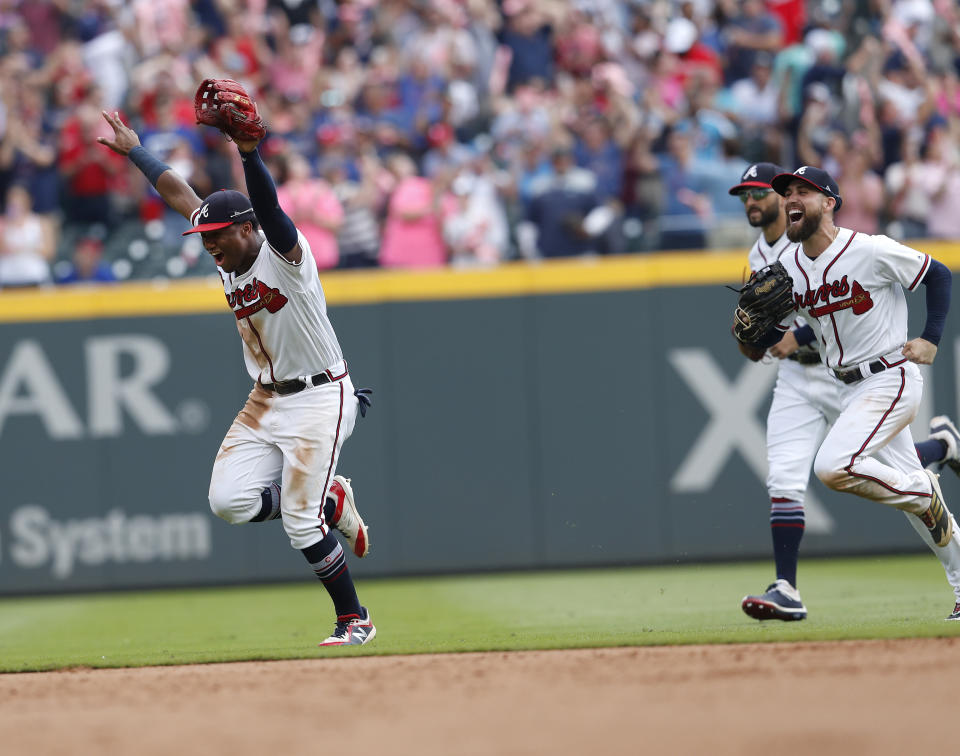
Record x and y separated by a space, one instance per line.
287 437
806 401
849 287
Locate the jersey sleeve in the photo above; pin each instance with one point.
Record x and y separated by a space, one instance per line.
898 263
291 271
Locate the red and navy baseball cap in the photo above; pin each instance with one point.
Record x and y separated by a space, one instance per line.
818 178
221 209
757 176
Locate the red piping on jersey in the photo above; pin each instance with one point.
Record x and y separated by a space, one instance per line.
920 275
848 469
833 322
836 336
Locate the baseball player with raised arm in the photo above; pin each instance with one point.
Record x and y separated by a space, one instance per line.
806 401
849 287
279 457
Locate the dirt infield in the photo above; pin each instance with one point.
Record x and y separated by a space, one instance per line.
876 697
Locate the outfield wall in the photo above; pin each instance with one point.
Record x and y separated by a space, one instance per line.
564 414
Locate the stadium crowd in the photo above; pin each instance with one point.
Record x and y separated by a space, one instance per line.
467 132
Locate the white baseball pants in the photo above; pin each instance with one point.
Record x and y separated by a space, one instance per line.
294 438
805 402
869 450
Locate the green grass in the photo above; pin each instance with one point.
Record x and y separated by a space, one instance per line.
884 597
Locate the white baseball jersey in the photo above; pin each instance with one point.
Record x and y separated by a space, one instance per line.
282 316
854 293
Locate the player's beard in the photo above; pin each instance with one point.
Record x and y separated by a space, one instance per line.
767 217
798 232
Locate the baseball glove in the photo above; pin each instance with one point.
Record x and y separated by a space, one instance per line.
764 301
225 105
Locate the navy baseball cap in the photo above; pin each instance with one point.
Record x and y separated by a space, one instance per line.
818 178
757 176
221 209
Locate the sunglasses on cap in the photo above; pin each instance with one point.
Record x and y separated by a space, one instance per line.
754 194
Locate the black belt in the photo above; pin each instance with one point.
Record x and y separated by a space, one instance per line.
852 376
295 385
805 358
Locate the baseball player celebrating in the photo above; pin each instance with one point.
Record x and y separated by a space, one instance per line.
806 401
850 287
288 436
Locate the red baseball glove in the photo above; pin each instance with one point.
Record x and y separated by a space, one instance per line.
225 105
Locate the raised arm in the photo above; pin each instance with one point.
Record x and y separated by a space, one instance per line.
176 192
276 224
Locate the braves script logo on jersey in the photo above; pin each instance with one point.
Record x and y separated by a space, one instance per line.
859 300
259 295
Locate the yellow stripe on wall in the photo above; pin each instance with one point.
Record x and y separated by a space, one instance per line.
196 296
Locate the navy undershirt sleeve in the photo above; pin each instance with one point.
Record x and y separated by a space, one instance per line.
276 224
939 281
804 335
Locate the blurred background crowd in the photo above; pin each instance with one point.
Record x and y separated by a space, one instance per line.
468 132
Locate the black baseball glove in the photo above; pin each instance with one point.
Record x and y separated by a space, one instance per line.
765 300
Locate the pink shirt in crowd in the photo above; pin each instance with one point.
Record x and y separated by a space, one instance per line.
307 202
412 236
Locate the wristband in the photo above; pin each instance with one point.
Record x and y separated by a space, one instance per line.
149 165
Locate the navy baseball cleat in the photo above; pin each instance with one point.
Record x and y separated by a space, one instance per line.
347 518
780 602
956 612
352 630
943 429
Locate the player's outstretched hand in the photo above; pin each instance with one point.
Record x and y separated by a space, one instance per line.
124 138
920 351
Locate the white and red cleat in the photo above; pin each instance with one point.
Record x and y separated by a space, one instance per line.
347 519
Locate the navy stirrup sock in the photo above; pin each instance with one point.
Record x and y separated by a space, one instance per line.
787 523
329 564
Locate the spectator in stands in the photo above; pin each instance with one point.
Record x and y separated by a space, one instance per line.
528 36
27 242
596 150
475 228
755 105
907 202
444 154
86 265
863 195
412 234
751 31
687 209
359 237
941 165
313 206
28 149
420 94
643 193
559 204
88 177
